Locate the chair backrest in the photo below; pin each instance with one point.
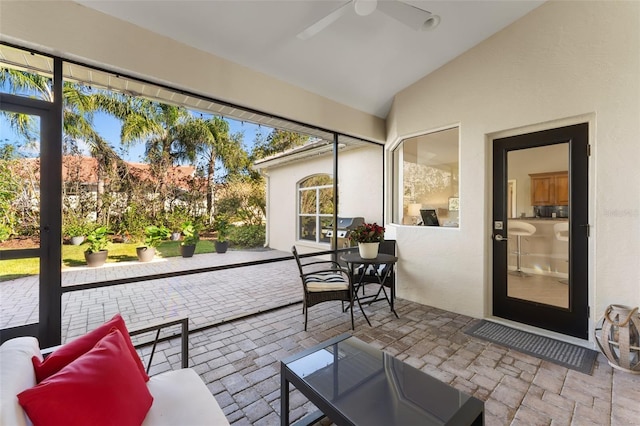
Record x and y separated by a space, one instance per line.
518 227
561 231
388 247
295 255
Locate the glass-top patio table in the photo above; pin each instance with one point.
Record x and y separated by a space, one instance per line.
354 383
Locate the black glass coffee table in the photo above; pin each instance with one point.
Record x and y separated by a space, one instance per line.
354 383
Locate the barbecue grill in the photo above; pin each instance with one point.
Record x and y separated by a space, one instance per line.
345 225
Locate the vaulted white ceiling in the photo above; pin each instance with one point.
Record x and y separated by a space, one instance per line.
360 61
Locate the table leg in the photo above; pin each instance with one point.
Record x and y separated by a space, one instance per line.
284 398
355 296
381 280
354 292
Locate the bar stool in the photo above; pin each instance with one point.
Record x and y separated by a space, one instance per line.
561 232
520 229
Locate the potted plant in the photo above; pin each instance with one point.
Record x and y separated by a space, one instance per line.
221 226
96 253
75 229
174 221
368 236
153 236
191 238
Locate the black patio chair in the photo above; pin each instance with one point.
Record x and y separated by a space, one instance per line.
323 281
364 276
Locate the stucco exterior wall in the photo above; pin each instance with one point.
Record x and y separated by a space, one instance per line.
563 63
359 193
76 32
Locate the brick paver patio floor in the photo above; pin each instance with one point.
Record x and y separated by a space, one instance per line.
239 359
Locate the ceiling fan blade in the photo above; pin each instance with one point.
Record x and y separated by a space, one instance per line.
411 16
323 23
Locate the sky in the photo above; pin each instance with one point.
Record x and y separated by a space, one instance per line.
109 128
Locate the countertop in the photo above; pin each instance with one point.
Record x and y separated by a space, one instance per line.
545 219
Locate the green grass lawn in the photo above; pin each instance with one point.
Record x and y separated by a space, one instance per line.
74 256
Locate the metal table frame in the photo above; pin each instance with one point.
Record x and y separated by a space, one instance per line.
353 259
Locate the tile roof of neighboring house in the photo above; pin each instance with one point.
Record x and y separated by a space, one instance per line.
84 169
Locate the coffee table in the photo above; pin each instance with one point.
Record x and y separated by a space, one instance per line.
353 383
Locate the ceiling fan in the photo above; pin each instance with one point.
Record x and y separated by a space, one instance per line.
411 16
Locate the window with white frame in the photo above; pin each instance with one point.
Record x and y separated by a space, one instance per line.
315 207
427 175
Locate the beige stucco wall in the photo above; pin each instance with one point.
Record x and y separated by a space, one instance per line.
76 32
565 62
360 180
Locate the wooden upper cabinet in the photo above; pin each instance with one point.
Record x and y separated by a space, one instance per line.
562 189
550 189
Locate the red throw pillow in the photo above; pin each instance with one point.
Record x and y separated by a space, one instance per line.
68 352
101 387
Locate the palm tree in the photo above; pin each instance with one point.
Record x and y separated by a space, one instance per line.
224 149
170 133
79 104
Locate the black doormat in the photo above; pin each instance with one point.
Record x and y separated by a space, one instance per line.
561 353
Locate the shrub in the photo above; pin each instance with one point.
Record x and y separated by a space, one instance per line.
248 236
5 232
222 226
74 226
134 221
190 232
97 240
155 234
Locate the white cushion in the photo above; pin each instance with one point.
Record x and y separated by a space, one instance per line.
180 397
327 286
16 375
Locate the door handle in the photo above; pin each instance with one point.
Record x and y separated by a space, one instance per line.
499 237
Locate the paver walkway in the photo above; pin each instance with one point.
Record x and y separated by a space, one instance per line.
206 298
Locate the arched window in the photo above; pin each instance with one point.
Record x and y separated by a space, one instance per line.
315 207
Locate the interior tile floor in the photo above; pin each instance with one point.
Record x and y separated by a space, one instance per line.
539 288
239 361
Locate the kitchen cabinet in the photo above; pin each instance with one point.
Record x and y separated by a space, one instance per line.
550 189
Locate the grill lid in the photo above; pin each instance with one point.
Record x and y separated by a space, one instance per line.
349 222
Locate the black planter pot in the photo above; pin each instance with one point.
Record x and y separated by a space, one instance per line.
96 259
145 254
187 251
221 246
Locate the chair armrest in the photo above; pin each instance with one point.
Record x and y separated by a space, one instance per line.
47 351
157 326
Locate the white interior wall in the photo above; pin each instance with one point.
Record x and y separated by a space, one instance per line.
563 60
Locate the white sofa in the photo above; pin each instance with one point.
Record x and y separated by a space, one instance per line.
180 397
